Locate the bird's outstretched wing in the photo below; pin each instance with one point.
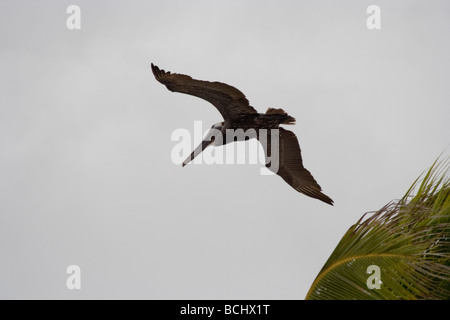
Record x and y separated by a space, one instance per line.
230 102
290 165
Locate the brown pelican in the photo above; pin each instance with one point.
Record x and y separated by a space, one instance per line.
239 115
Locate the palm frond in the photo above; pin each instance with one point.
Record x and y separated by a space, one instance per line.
408 240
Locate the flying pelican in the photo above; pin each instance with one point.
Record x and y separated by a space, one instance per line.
238 114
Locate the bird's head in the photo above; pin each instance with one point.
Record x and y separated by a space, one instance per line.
215 134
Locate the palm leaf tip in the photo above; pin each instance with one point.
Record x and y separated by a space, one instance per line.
408 240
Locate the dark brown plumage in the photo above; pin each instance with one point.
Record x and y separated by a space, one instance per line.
238 114
230 102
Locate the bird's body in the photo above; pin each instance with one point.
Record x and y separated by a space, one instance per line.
242 122
260 120
253 121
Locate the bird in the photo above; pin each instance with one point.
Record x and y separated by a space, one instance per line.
240 116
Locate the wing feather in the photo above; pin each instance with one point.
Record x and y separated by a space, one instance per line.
230 102
290 165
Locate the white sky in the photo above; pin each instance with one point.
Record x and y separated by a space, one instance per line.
85 166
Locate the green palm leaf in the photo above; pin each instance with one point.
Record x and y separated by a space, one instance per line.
408 240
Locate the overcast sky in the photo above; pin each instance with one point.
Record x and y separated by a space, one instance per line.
86 172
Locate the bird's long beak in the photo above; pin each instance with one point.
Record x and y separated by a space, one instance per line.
209 138
202 146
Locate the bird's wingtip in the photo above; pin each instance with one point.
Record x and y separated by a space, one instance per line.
323 197
156 71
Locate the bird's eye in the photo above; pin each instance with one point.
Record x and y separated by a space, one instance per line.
213 138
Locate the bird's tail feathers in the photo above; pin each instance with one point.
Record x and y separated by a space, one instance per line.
287 118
